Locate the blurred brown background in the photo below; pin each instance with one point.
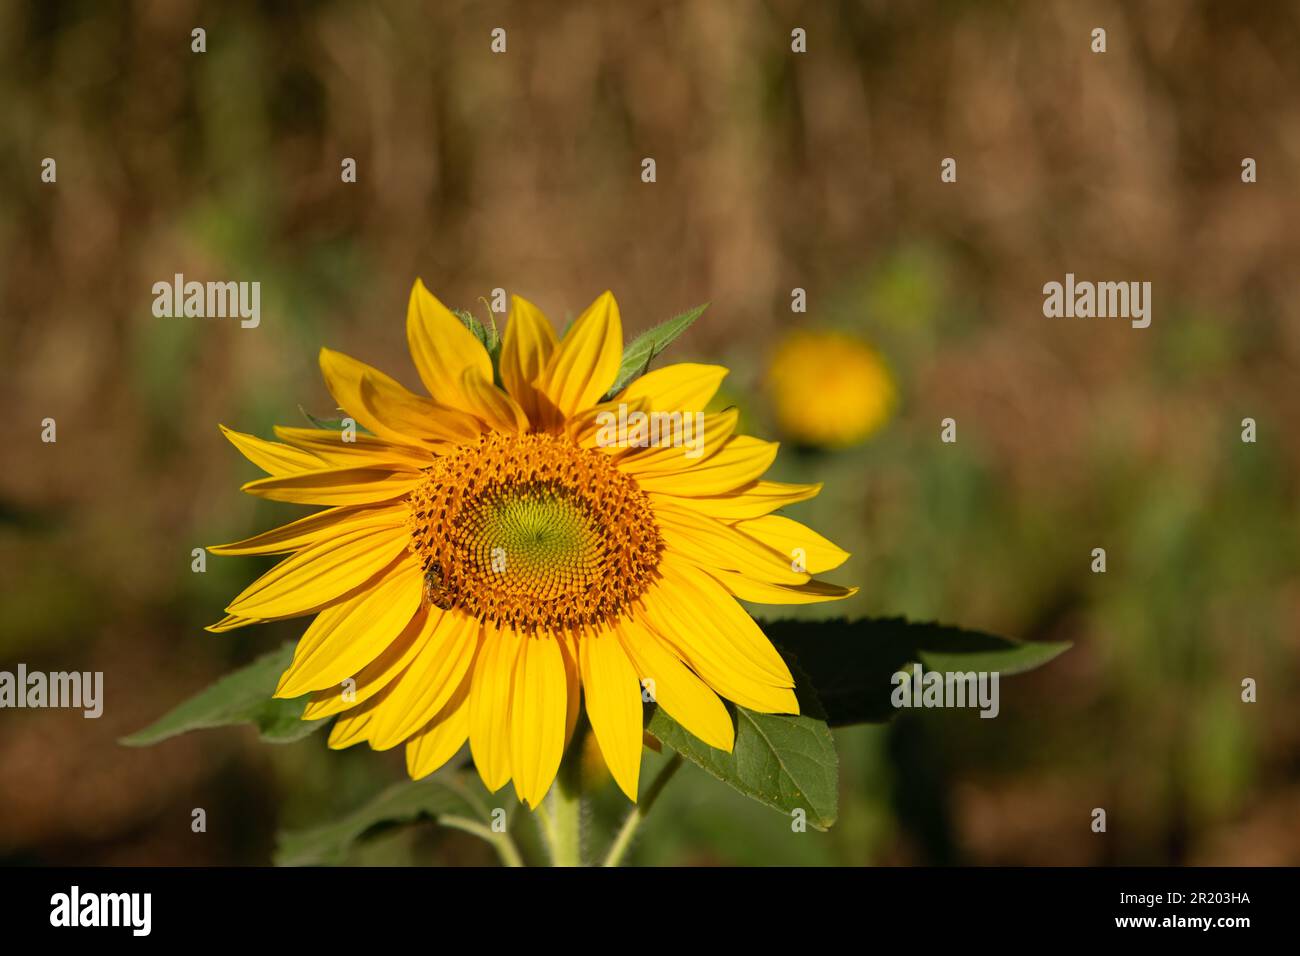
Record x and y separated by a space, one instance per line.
775 170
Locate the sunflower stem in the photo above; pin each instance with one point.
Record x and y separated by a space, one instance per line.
564 805
639 812
566 827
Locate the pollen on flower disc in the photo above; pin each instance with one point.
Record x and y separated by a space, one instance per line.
533 532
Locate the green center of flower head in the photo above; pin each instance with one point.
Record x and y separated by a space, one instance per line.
533 532
540 540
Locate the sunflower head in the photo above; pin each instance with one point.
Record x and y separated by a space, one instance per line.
495 556
829 389
533 532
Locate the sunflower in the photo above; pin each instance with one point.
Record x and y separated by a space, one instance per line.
829 389
484 561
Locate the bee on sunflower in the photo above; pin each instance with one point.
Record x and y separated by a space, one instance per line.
484 565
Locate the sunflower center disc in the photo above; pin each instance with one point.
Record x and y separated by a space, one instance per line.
533 532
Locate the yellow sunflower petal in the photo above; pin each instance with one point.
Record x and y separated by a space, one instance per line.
684 443
232 621
744 645
731 659
742 459
336 486
317 575
358 451
686 698
343 377
684 387
379 673
815 552
613 697
443 348
587 428
489 706
443 737
314 529
402 413
427 685
493 405
526 349
584 365
537 711
702 655
762 592
750 501
387 408
272 457
350 729
347 636
711 543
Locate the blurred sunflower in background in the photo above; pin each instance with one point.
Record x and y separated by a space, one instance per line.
828 389
484 560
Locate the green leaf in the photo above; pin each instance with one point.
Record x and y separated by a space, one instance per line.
330 424
785 762
241 697
638 355
487 335
432 798
843 673
851 664
1016 659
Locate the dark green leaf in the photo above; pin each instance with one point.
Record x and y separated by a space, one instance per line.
785 762
1017 659
851 663
843 672
638 355
241 697
431 798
